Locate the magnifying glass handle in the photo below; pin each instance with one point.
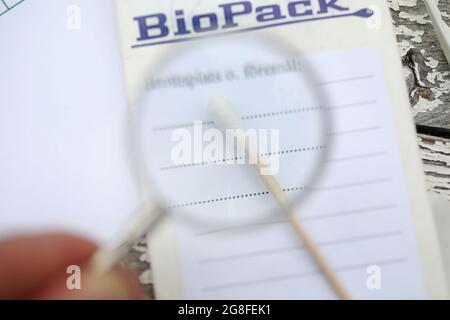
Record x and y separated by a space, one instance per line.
140 223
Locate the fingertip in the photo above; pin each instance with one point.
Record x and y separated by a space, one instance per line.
135 288
30 261
117 284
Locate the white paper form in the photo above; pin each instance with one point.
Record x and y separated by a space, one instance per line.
370 210
62 105
358 214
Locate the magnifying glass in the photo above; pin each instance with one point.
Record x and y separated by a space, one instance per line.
196 173
195 169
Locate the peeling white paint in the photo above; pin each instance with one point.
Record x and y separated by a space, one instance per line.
438 171
431 62
424 105
412 39
442 84
403 47
419 18
396 4
432 76
415 35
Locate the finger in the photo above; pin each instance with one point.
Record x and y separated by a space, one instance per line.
117 284
28 262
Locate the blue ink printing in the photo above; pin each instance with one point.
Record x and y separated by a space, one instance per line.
153 29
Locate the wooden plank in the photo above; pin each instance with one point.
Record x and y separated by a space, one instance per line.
436 159
427 72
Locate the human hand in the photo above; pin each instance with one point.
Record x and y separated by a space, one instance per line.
34 267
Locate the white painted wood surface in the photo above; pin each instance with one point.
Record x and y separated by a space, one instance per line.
436 158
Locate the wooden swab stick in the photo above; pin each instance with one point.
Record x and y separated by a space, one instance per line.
227 117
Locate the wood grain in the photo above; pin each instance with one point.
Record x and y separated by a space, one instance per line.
435 153
427 71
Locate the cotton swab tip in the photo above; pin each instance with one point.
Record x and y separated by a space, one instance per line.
224 114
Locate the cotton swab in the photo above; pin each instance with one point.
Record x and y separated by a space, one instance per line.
226 117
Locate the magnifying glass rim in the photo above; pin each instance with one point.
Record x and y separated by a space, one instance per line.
150 190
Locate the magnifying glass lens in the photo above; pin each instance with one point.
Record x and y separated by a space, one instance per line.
198 170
